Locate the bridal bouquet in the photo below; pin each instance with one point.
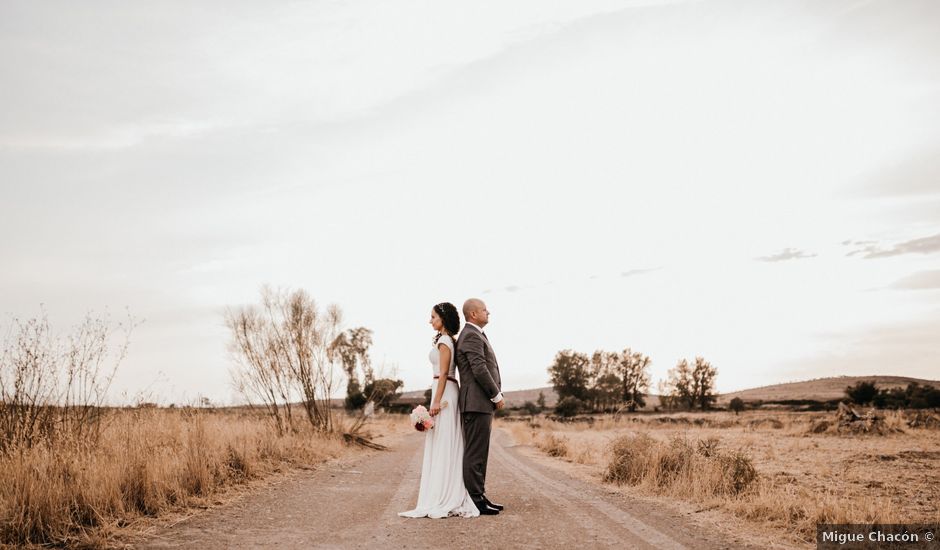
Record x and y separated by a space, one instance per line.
422 419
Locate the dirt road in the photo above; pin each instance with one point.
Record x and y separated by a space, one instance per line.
355 504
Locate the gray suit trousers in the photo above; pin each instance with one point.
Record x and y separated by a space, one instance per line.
476 432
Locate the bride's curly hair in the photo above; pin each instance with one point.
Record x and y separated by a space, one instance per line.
448 313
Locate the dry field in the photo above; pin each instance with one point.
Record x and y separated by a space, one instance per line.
801 477
151 464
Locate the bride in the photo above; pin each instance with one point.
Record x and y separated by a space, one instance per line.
442 491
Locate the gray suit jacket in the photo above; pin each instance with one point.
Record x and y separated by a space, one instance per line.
479 372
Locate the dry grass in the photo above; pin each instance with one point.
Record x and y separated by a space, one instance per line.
807 470
681 467
146 462
553 445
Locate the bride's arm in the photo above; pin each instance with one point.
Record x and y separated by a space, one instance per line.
442 381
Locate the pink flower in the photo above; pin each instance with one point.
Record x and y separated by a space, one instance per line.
421 419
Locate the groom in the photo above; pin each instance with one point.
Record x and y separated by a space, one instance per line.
479 396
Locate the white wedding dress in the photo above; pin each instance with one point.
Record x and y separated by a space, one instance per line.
442 492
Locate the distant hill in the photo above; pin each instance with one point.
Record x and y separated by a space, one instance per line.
820 389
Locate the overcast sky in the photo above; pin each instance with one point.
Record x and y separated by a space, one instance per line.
757 183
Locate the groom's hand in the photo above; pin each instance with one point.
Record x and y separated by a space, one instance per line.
501 404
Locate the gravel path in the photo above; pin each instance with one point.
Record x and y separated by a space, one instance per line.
354 504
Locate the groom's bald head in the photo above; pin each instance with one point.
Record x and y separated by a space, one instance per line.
474 311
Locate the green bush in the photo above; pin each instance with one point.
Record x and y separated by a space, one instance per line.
531 408
569 406
862 393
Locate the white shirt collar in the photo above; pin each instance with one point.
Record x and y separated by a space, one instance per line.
474 326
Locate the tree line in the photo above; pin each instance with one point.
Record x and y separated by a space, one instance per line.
616 381
914 396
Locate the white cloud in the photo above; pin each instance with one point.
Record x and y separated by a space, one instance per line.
922 280
786 254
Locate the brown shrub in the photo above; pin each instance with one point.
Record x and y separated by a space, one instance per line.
238 463
820 426
923 419
708 446
737 473
681 467
554 445
630 458
759 423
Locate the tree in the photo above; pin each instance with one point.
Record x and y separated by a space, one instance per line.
679 385
384 390
569 406
862 392
703 383
602 393
913 396
351 347
633 368
691 386
607 391
569 375
303 335
282 350
666 399
736 405
355 399
258 373
541 401
922 397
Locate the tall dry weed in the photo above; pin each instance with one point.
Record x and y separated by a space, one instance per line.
198 474
145 463
553 445
680 467
797 509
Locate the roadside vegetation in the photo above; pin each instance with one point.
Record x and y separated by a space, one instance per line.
770 469
78 471
786 465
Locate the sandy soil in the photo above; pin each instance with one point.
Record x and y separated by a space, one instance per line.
353 503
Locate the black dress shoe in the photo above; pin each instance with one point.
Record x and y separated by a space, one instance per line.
484 509
493 504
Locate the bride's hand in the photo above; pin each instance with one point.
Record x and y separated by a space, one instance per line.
435 409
